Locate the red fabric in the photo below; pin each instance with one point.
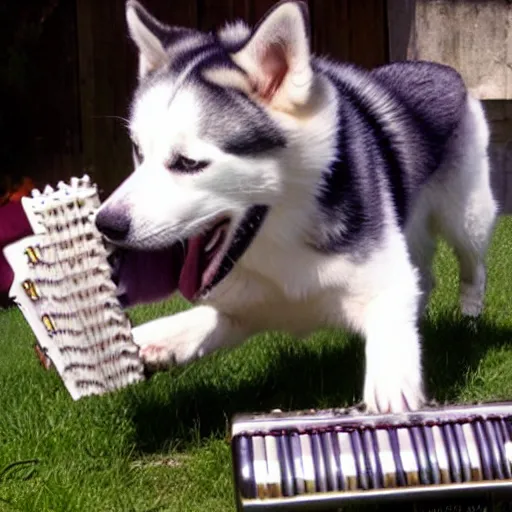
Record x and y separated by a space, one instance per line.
14 225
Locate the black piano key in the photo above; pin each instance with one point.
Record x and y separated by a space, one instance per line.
331 469
285 460
357 447
298 472
451 450
244 469
483 449
337 456
319 460
386 458
421 455
506 447
370 455
463 452
308 464
379 474
395 448
494 452
496 425
347 462
435 472
507 423
408 456
473 452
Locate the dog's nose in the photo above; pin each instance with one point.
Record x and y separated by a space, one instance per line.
113 223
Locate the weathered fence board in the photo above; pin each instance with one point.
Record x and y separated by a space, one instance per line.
344 29
472 36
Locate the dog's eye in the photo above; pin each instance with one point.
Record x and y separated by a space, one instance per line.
184 164
137 153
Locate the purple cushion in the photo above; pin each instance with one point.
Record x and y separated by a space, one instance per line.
14 225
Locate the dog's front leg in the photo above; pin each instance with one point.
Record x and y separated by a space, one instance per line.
385 311
180 338
393 380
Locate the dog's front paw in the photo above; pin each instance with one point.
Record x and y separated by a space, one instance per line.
181 338
161 356
393 392
177 347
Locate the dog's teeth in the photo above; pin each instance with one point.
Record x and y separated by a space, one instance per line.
211 244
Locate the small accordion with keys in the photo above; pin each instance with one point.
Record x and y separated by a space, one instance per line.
327 459
63 286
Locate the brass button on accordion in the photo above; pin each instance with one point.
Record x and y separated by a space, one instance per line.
311 461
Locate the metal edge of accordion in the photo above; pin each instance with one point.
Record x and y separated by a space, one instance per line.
254 423
258 423
319 501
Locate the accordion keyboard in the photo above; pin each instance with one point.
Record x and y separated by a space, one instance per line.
334 457
63 286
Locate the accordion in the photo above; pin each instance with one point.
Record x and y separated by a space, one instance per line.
310 461
63 286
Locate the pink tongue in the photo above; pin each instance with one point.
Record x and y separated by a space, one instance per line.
192 269
145 277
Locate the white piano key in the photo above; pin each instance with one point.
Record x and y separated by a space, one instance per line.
260 466
442 455
408 457
308 463
347 461
298 470
387 461
273 467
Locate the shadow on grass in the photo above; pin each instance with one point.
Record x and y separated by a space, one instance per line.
298 378
454 347
295 379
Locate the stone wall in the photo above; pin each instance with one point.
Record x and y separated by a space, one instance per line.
499 114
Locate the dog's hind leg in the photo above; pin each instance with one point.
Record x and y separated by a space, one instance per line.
422 242
466 210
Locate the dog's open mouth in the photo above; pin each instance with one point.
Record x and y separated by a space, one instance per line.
193 266
202 256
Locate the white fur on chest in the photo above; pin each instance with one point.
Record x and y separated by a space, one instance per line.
287 285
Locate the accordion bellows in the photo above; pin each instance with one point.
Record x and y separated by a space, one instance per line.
310 461
63 286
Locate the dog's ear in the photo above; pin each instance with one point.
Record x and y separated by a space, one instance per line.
152 37
277 56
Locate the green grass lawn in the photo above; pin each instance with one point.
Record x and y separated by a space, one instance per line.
161 445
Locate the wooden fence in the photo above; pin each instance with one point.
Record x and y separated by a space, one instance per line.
83 72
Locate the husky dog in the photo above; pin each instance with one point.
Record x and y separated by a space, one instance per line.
278 190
